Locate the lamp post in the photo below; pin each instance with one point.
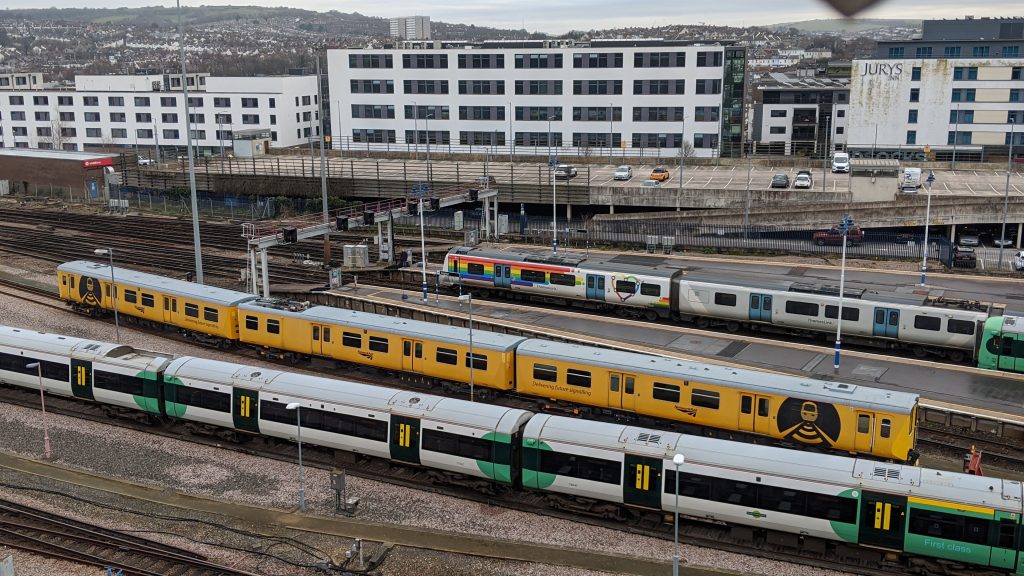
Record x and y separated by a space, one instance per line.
956 136
415 130
845 228
1006 198
423 248
611 130
678 460
298 436
426 121
191 160
468 298
109 253
682 153
827 150
927 219
554 203
220 132
38 366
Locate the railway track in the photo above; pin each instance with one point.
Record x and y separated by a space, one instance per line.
55 536
996 451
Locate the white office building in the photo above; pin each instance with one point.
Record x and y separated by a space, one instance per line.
524 96
150 110
805 116
411 28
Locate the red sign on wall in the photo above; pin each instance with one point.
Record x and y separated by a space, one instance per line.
97 162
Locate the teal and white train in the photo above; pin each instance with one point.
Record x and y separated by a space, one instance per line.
929 521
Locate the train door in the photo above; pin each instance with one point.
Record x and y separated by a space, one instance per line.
405 436
864 439
882 520
761 307
1009 349
746 423
887 322
412 355
595 287
502 276
1003 553
763 415
170 309
321 340
621 390
246 410
81 379
641 484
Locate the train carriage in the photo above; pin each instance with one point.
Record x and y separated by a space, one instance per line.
19 348
812 413
1002 344
206 312
202 391
118 375
386 342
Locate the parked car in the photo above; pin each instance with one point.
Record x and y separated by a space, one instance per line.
1018 261
144 161
969 240
1003 243
565 171
840 162
660 174
486 181
911 180
649 183
802 180
964 257
623 173
780 181
834 236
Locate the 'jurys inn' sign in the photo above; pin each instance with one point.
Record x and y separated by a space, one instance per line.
892 71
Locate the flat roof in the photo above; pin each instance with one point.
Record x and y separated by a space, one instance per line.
53 154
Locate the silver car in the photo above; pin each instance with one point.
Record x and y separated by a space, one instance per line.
650 183
623 173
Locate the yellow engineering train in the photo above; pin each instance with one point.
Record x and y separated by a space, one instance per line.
718 401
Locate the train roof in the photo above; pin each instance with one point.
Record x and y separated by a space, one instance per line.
79 347
161 284
317 389
753 380
1005 324
622 263
390 324
794 466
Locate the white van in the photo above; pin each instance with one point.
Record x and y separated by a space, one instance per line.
910 180
840 162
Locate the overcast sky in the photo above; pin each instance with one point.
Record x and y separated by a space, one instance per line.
557 16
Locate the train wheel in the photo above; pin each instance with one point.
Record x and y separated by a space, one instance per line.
919 351
732 326
956 356
651 315
703 323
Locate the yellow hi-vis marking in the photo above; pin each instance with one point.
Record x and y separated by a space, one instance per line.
643 477
244 404
404 435
80 377
883 514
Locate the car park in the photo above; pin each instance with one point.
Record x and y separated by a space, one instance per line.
565 171
650 183
660 174
780 181
623 173
802 180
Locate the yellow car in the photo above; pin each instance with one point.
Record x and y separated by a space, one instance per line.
660 174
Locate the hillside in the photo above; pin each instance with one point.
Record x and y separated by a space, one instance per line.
847 25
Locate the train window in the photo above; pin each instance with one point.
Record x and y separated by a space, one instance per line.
613 382
210 314
851 314
563 279
533 276
666 392
955 326
147 300
64 279
545 373
927 323
107 287
479 361
378 344
801 308
733 492
577 378
117 382
784 500
316 332
1007 531
625 287
475 269
252 323
191 310
863 423
205 399
762 407
352 339
457 445
879 316
705 398
447 356
630 381
690 485
746 404
72 281
725 299
273 326
832 508
583 467
886 428
936 524
51 370
130 296
648 289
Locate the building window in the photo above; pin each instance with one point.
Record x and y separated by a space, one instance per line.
66 116
896 52
709 86
951 52
538 139
840 113
915 73
69 132
250 118
372 111
45 132
16 100
961 116
705 140
599 139
647 87
222 102
533 87
959 137
65 101
596 114
142 101
538 60
840 130
169 118
963 94
93 133
423 136
200 118
924 52
709 59
479 86
143 133
915 94
42 116
965 73
1015 95
705 113
373 136
777 130
143 117
1017 73
370 61
372 86
118 133
250 102
597 60
424 60
40 100
18 116
912 117
481 61
197 102
779 113
482 139
911 136
168 101
1011 51
170 134
90 101
980 51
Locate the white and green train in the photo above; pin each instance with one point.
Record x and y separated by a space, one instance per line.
930 521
